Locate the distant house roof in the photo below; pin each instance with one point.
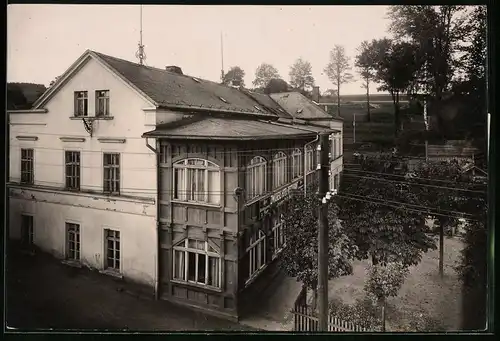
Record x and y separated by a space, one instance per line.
299 106
216 128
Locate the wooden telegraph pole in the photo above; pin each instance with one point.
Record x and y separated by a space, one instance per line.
323 165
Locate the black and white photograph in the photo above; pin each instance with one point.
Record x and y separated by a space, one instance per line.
250 168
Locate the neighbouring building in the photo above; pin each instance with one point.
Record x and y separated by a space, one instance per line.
167 180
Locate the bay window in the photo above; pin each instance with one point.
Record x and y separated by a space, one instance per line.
279 169
197 262
197 180
297 164
256 177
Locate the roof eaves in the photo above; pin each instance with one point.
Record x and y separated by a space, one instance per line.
228 138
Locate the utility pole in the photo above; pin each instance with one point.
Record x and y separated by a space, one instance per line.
323 194
354 128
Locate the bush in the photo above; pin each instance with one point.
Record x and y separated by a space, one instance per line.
418 321
364 313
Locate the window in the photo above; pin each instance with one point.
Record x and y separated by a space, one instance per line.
73 241
297 163
27 165
113 249
339 145
336 181
27 233
111 173
256 177
334 147
197 180
309 159
72 160
257 253
102 103
197 262
279 169
81 103
278 233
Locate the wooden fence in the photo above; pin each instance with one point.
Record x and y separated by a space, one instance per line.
305 320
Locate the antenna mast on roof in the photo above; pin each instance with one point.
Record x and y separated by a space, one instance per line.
222 58
141 54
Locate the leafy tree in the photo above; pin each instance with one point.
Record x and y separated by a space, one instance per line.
384 281
395 66
377 213
436 32
300 256
330 93
301 75
234 76
365 63
472 268
448 201
15 97
264 74
338 70
276 85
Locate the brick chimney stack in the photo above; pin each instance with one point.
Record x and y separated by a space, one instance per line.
315 94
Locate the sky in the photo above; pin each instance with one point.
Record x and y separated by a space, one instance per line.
44 40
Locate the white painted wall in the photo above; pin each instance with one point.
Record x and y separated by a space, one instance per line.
134 213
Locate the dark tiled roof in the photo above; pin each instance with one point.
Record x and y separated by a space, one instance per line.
268 102
169 88
227 129
299 106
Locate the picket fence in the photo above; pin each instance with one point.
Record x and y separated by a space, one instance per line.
306 321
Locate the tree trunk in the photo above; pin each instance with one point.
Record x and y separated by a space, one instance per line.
441 249
396 114
374 261
338 98
383 315
368 118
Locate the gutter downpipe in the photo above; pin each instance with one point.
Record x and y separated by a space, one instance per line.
305 149
157 277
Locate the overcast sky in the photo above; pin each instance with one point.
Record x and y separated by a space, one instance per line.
44 40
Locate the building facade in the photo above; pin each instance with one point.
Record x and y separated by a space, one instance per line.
163 179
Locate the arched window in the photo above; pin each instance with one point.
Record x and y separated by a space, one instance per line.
197 262
197 180
256 253
309 159
279 169
256 179
297 164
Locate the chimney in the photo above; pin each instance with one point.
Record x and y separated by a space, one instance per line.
174 69
315 94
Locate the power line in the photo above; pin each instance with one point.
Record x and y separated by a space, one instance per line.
414 210
415 184
413 177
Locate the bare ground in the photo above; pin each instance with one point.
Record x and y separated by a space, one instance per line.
423 291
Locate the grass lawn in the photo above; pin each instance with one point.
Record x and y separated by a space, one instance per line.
423 291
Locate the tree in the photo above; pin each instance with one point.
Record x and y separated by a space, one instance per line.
472 268
15 97
301 75
446 200
276 85
378 214
300 256
395 66
436 32
365 63
235 76
264 73
338 70
384 281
